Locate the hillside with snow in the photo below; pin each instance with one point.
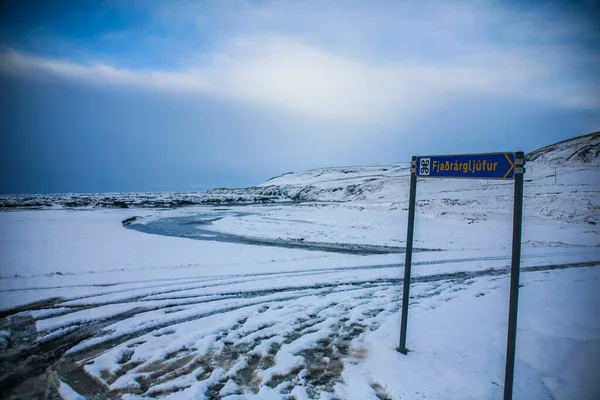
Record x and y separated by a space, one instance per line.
582 150
562 204
370 183
375 183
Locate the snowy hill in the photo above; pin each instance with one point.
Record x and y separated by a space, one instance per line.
366 183
366 205
582 150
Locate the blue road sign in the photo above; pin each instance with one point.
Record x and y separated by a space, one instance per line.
468 166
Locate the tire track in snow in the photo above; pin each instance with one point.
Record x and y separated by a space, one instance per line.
315 271
352 307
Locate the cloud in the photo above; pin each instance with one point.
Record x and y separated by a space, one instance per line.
272 57
14 62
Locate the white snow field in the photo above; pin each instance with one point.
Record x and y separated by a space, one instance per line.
302 300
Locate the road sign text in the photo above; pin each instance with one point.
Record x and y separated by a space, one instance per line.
473 166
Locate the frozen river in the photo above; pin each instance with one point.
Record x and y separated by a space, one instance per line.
198 227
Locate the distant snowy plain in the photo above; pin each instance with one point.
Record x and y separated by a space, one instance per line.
96 309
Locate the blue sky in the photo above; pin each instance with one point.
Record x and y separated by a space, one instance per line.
189 95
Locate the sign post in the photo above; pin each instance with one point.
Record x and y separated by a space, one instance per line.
515 268
501 166
408 259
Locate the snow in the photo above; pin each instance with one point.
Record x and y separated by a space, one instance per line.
463 341
90 242
80 317
146 315
230 388
67 393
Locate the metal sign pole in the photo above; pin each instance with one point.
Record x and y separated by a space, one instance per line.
407 264
511 340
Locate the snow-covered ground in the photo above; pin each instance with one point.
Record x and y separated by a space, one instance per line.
94 309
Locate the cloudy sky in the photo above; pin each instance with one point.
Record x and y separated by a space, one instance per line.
189 95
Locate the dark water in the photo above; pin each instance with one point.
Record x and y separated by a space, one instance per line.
198 227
